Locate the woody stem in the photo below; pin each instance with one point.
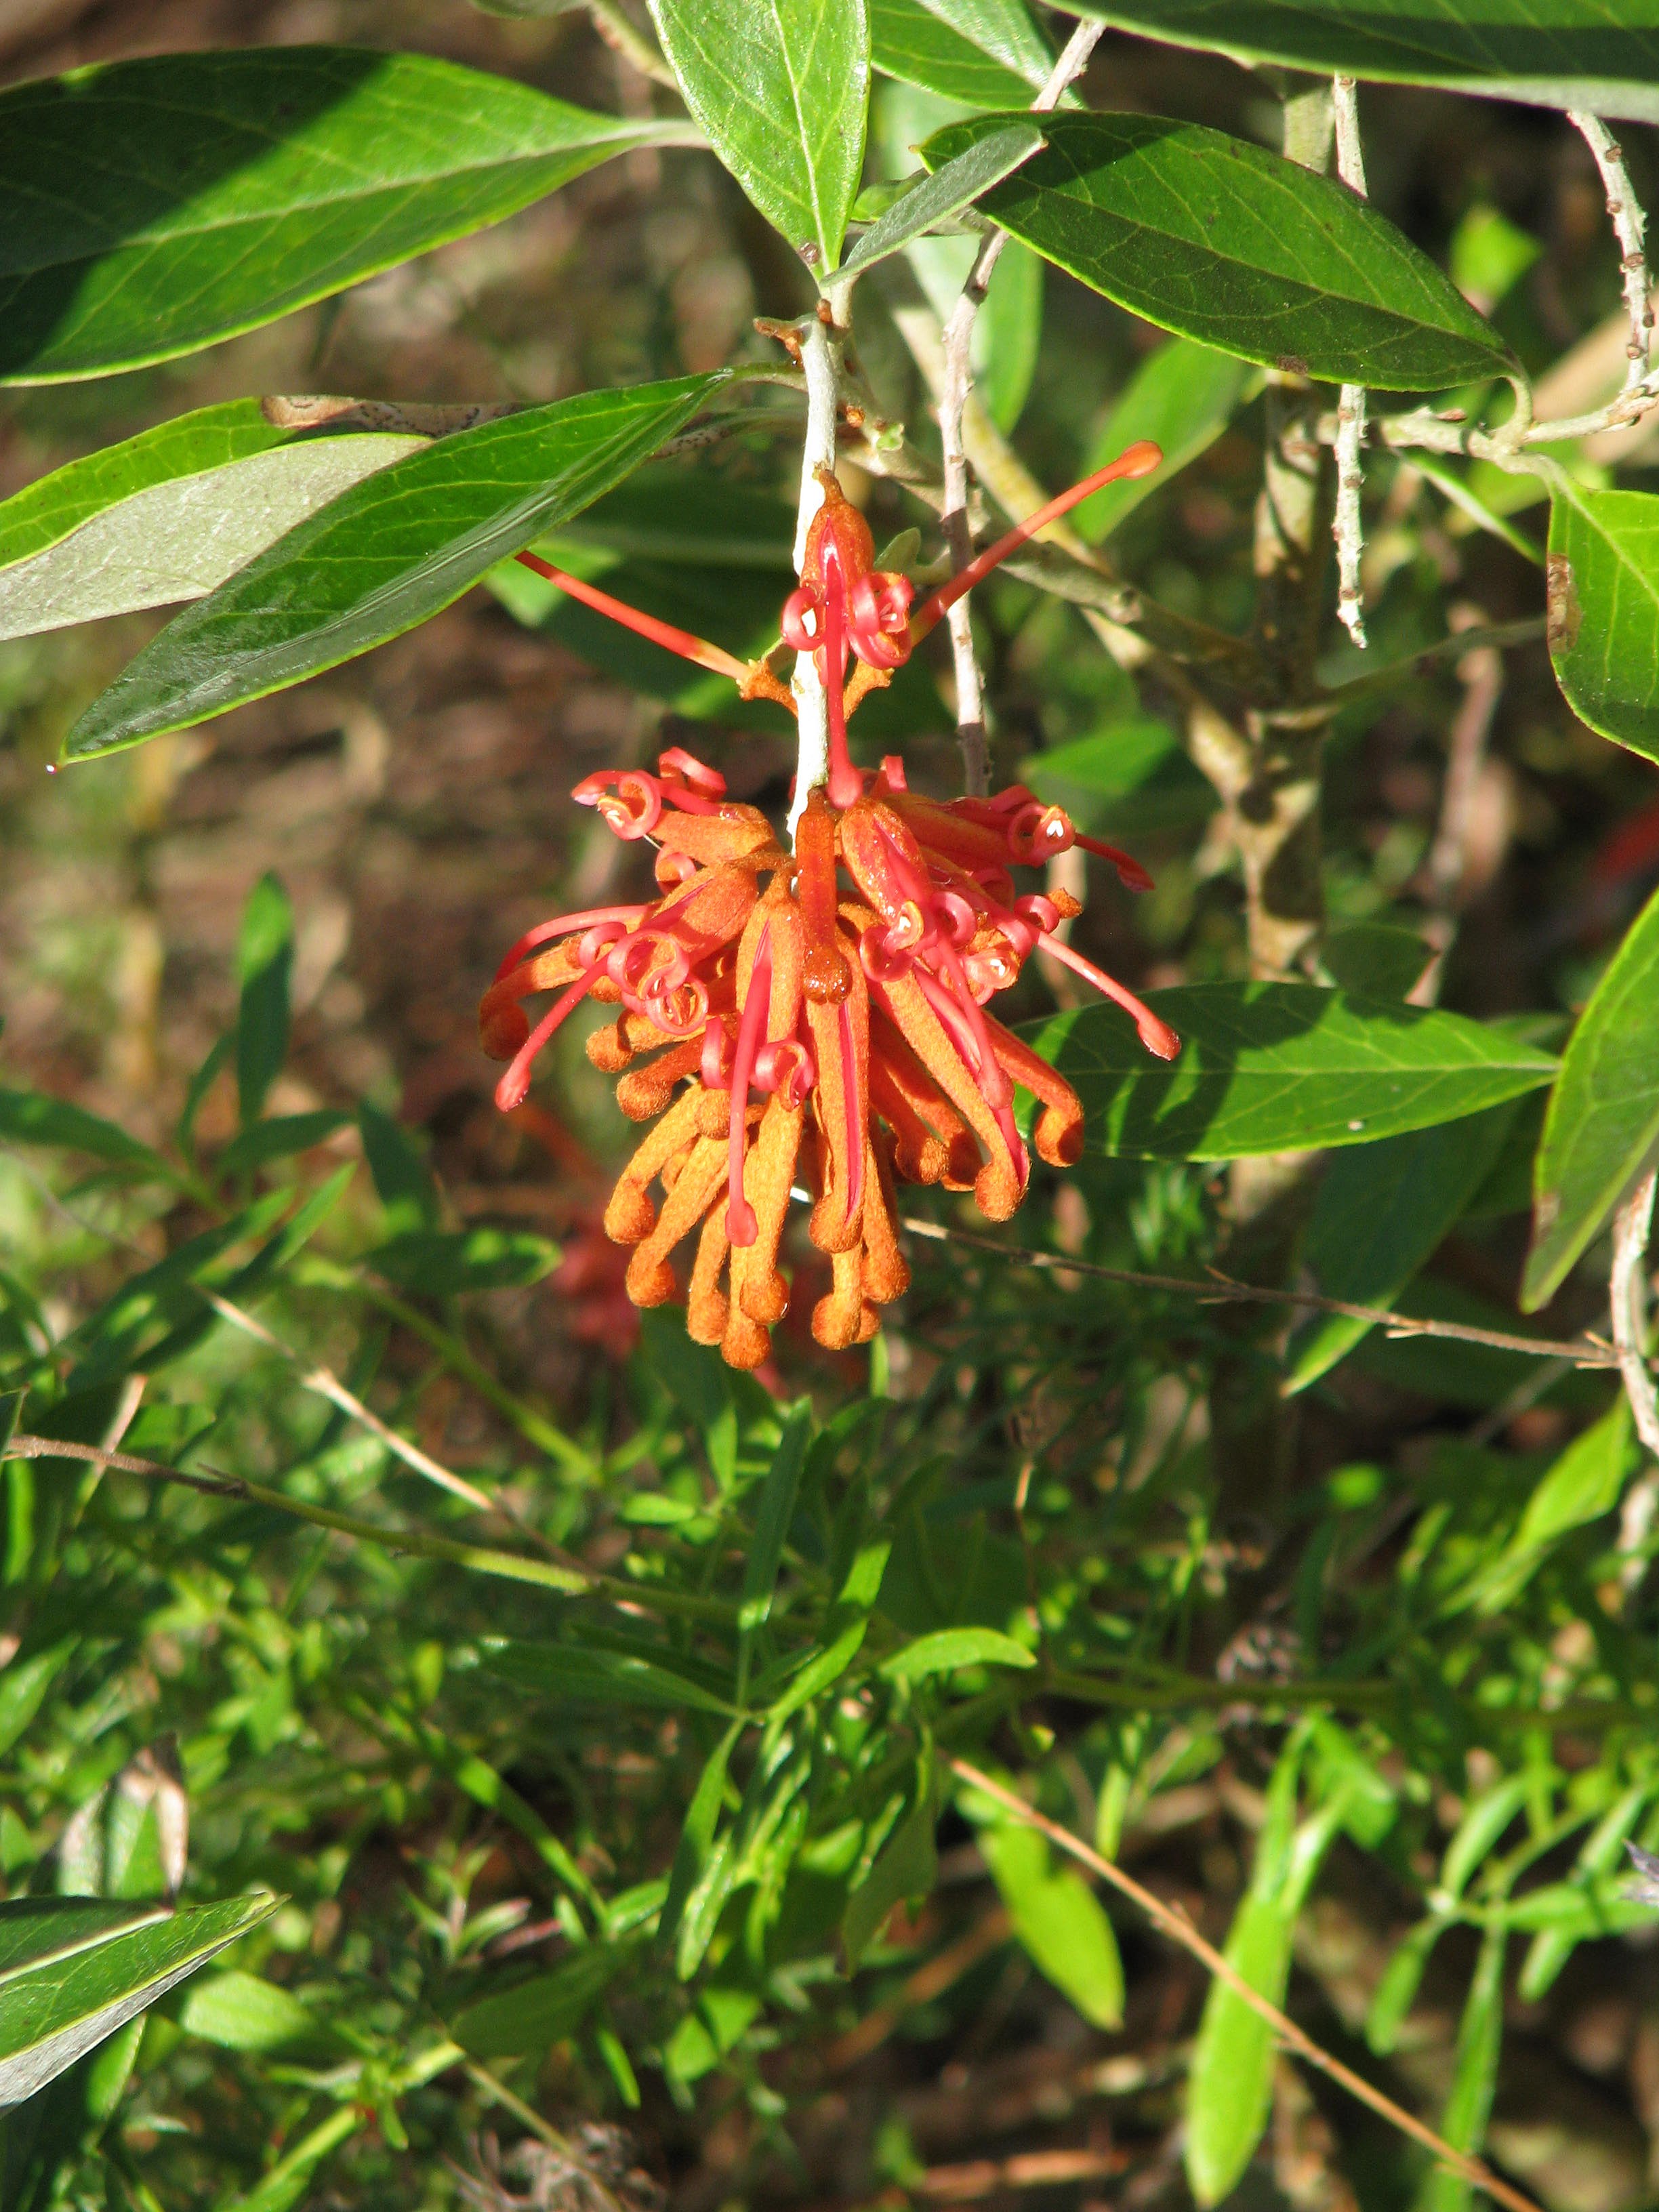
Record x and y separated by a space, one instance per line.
819 360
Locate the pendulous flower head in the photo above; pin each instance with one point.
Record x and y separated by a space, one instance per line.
819 1016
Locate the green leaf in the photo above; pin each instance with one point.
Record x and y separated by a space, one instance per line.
402 1182
987 53
695 1847
1008 334
1375 959
945 193
1060 1920
781 93
241 2012
525 2021
169 514
773 1515
1239 248
264 960
1380 1211
1402 1978
1585 1482
1274 1067
384 556
442 1265
581 1673
1230 2084
1602 583
1550 53
72 1971
230 188
947 1648
1130 778
1474 2076
1182 397
907 1867
1478 1831
261 1142
1603 1118
28 1117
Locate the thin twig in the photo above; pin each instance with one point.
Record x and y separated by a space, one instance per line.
1347 526
614 27
323 1383
1624 211
956 384
481 1558
1221 1289
1180 1931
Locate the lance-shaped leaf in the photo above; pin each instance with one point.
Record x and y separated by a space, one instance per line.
1603 1119
1276 1068
945 193
169 514
1552 53
228 188
783 92
1603 618
987 53
1235 246
74 1969
388 555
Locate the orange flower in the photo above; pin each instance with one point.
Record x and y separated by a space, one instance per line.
817 1016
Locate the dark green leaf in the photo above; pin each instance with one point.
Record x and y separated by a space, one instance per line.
1375 959
1182 397
773 1515
55 2008
697 1843
27 1117
241 2012
1239 248
1273 1067
781 92
1603 1118
945 193
578 1673
525 2021
947 1648
907 1867
441 1265
1060 1920
402 1182
1583 1484
1380 1211
987 53
24 1684
1474 2075
1554 53
1603 618
261 1142
265 965
1603 1849
169 514
229 188
384 556
1396 1992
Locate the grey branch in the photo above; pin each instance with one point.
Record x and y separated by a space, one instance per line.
1346 526
1624 211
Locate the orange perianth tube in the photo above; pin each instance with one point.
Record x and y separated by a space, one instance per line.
840 1048
650 1280
630 1213
885 1274
737 835
1059 1132
836 1319
1137 460
968 844
756 1286
705 1302
919 1155
926 1101
998 1187
681 641
870 836
645 1092
755 994
825 974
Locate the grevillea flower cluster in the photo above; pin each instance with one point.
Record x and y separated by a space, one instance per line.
818 1016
